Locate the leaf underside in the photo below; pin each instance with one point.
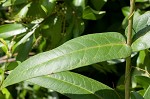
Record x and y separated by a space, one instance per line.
75 86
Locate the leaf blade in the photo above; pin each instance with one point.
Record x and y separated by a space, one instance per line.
142 28
79 52
75 86
10 30
141 43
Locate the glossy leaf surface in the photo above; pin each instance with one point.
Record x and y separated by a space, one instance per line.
78 52
9 30
75 86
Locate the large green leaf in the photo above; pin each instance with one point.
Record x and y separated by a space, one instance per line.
81 51
9 30
147 93
75 86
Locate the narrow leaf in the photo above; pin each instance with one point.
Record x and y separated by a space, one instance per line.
75 86
9 30
79 52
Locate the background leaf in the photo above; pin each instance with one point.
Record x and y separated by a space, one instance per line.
143 80
24 49
10 30
91 14
81 51
141 28
75 86
135 95
147 93
98 4
142 42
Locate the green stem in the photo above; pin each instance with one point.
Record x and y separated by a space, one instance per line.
128 59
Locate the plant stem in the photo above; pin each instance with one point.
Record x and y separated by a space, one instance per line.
128 59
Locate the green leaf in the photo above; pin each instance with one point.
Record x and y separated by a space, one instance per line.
78 28
7 94
141 22
48 6
143 80
75 86
126 11
26 37
35 6
10 30
78 52
23 12
142 29
4 45
138 22
142 42
13 65
141 0
79 3
98 4
147 93
28 12
24 49
13 2
135 95
51 30
91 14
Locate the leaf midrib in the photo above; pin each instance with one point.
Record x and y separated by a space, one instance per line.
105 45
73 84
